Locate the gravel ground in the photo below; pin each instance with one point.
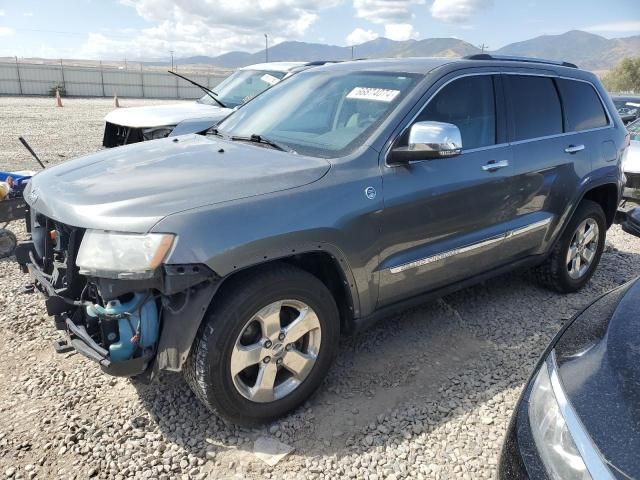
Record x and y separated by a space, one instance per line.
425 394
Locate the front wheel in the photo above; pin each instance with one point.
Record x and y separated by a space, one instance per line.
265 345
577 253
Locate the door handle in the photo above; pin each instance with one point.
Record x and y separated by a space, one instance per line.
574 148
493 166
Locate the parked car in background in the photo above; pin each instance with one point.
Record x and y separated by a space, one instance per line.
628 107
631 165
131 125
579 415
340 195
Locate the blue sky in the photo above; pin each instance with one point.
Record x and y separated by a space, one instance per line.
113 29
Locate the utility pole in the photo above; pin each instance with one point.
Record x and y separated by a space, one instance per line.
102 78
171 52
483 47
266 48
18 73
64 83
352 47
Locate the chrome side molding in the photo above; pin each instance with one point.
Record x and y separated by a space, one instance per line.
528 228
468 248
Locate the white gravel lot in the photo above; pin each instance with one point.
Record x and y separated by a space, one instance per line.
425 394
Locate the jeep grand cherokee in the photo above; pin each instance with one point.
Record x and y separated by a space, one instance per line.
331 200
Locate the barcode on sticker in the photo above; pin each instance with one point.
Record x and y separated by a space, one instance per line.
375 94
270 79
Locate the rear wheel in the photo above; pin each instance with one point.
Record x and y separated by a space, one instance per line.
265 345
577 253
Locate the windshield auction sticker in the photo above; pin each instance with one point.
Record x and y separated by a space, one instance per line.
374 94
270 79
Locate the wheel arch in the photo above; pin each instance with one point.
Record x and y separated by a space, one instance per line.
180 328
607 196
324 263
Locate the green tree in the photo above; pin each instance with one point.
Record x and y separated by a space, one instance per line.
625 77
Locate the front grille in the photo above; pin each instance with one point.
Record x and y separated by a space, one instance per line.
116 135
56 247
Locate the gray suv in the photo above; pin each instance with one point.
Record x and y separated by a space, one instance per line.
332 199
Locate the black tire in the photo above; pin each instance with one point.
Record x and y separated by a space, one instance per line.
8 243
207 370
554 273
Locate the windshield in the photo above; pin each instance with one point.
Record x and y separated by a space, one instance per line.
634 130
242 86
321 113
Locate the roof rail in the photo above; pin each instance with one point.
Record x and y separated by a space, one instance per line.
316 63
486 56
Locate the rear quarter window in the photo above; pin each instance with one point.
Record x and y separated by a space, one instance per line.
535 106
582 106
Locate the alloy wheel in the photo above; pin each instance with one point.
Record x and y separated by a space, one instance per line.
275 351
583 248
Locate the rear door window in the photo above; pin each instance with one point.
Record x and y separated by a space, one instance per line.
535 106
582 106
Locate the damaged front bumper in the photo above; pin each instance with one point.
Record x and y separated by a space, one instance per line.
129 327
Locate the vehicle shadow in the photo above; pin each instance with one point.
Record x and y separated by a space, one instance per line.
425 369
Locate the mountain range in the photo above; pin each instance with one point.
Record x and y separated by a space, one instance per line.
587 50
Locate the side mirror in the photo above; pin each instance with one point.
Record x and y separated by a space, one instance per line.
427 141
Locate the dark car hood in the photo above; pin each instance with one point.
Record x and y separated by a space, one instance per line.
599 361
131 188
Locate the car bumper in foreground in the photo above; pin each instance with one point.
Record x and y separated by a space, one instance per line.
546 437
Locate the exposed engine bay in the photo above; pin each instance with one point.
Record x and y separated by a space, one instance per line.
130 327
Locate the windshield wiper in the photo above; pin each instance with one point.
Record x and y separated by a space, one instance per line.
264 140
209 92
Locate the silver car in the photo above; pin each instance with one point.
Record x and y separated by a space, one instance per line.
631 165
131 125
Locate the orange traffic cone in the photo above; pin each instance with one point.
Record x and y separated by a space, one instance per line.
116 103
58 99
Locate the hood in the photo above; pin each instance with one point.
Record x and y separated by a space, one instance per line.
161 115
599 361
131 188
632 162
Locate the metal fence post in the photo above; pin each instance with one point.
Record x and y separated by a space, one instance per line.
18 73
102 79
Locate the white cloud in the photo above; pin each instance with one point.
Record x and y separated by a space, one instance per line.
385 11
2 13
28 14
458 10
6 31
359 35
399 31
207 27
620 27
